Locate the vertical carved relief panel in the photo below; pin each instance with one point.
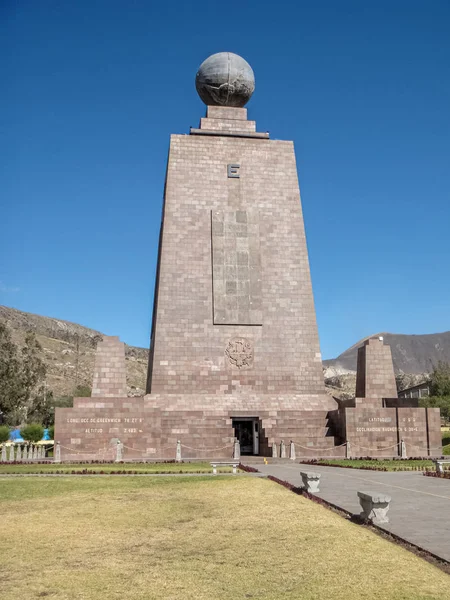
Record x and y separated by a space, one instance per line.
236 261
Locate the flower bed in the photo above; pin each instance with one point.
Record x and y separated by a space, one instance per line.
445 475
373 464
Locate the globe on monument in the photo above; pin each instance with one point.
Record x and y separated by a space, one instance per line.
225 79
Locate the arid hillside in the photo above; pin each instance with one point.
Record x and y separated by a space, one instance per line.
68 350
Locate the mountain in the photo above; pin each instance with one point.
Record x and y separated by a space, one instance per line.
68 351
410 353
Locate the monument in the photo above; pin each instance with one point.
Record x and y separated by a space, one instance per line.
234 350
378 423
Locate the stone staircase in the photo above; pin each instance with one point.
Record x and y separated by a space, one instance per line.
311 431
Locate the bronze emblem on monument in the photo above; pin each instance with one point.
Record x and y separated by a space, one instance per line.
240 352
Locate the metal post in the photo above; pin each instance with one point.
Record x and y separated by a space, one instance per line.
178 453
292 451
403 449
237 450
118 451
57 453
348 450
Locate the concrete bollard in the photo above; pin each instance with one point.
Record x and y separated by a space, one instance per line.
118 451
178 453
57 453
3 453
34 452
282 449
29 452
375 506
11 453
274 450
403 449
292 450
348 450
310 481
19 453
237 450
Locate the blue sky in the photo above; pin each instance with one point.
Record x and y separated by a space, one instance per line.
93 89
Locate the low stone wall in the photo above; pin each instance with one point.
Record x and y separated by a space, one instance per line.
378 432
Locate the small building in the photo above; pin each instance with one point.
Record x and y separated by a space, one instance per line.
421 390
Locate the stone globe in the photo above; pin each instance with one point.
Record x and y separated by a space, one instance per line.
225 79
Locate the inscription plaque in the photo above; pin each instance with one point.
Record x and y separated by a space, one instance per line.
233 171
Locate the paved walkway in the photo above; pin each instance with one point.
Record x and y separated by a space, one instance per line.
420 506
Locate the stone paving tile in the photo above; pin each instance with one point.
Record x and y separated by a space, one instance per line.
420 506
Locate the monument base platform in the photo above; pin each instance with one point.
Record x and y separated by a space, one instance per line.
149 427
206 426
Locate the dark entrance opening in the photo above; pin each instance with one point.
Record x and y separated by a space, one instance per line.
246 430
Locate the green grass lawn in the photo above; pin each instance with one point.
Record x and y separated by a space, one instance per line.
201 538
390 465
194 467
445 441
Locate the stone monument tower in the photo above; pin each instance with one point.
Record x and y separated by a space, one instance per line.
234 309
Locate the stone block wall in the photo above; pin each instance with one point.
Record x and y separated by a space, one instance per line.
110 377
375 376
268 304
378 432
149 427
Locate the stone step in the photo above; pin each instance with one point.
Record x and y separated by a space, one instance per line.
315 442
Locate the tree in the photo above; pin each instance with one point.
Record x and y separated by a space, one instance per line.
11 386
442 402
4 433
82 390
22 374
33 367
440 380
42 407
32 432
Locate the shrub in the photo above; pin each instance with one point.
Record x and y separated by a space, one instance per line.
32 432
51 432
4 433
446 450
442 402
